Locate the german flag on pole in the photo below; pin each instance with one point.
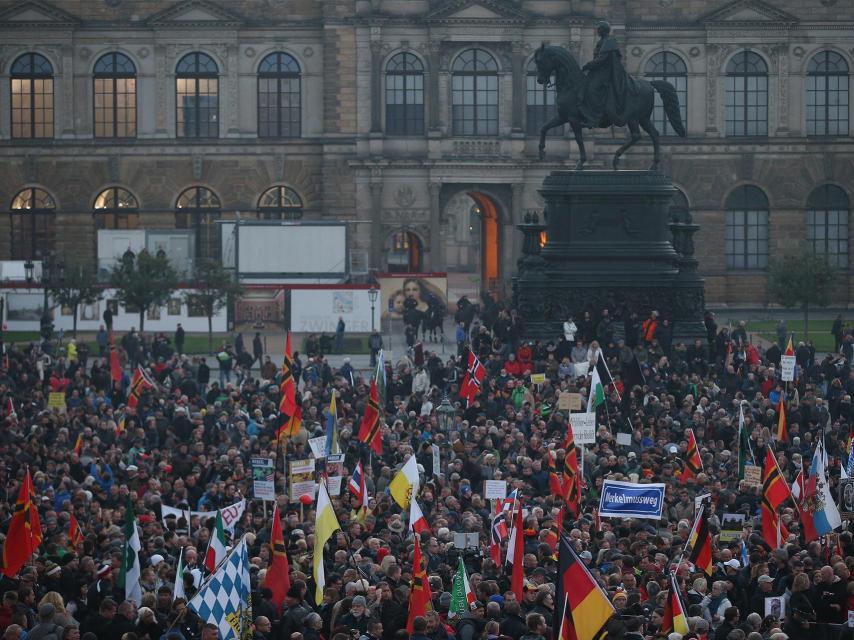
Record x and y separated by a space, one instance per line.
774 492
25 530
693 462
289 426
288 386
572 491
371 430
586 608
115 365
674 620
701 543
75 536
139 385
782 431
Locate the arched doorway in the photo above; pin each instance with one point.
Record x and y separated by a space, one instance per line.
473 238
404 252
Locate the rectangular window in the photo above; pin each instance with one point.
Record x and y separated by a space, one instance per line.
746 105
32 108
827 233
198 107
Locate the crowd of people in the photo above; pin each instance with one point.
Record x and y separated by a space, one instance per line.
189 441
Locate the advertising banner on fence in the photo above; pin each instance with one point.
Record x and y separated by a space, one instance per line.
629 500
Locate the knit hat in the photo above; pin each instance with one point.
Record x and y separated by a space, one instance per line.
359 601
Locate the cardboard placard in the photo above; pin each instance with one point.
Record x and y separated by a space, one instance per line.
624 439
584 427
263 485
538 378
775 606
333 484
732 525
56 400
787 368
302 479
699 500
846 498
318 447
437 460
752 475
494 489
299 489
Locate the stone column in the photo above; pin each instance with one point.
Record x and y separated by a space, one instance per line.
376 187
520 85
67 85
232 78
436 249
376 81
434 100
514 247
161 77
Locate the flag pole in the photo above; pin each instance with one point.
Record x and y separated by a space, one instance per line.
563 616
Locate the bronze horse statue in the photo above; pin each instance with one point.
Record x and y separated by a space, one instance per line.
570 83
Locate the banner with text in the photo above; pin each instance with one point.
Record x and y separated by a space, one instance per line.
629 500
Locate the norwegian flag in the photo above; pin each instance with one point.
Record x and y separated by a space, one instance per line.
498 532
356 486
510 500
474 379
10 409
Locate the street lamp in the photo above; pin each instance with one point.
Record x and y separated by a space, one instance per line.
447 415
373 294
29 270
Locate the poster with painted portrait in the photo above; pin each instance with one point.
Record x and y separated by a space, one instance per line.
418 292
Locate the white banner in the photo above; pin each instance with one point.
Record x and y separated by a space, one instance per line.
787 368
583 427
494 489
230 514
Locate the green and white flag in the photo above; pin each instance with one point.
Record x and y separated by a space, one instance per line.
216 546
178 591
597 392
744 448
462 597
129 576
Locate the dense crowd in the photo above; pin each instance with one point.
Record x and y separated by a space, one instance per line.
189 442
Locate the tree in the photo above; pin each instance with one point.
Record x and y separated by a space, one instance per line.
77 286
803 279
143 281
213 287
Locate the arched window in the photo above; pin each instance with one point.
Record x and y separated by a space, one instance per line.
540 104
198 208
115 96
404 252
32 97
747 95
197 96
32 224
404 96
827 95
827 223
746 242
669 67
474 94
279 203
279 108
116 208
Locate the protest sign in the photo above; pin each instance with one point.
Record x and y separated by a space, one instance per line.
437 460
262 479
752 475
629 500
538 378
302 479
318 446
787 368
56 400
699 500
732 524
494 489
584 427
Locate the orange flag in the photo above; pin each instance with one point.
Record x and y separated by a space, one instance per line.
115 365
371 430
571 480
75 536
25 530
420 596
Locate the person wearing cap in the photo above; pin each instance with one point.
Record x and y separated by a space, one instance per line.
472 623
765 590
358 617
294 611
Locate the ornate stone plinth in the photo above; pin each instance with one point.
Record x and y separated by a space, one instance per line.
610 242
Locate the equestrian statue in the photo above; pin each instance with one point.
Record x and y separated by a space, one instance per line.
602 94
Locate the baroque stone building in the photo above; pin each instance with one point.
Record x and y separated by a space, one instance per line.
415 121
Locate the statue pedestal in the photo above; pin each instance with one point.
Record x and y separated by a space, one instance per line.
610 244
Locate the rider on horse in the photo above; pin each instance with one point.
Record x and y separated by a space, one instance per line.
602 101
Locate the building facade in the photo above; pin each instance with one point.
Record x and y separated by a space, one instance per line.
416 123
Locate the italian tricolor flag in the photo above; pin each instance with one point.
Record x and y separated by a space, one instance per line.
216 546
597 392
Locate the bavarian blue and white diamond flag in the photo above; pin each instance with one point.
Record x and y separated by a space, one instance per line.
224 599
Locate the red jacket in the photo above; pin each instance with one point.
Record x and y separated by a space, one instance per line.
514 368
